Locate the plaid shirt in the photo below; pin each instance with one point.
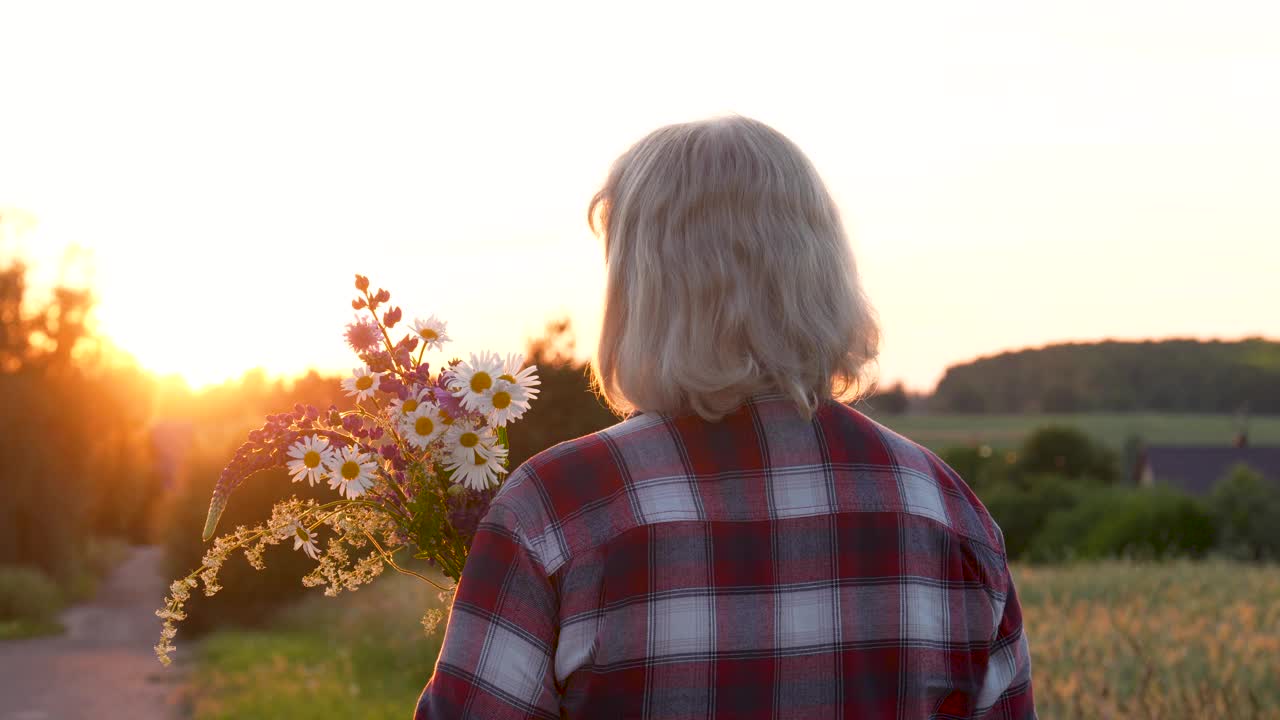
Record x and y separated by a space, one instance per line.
765 566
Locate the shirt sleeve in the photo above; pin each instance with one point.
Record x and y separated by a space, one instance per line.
1006 689
496 660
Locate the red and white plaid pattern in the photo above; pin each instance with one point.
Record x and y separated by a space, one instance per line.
766 566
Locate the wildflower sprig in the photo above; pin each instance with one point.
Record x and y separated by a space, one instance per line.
414 463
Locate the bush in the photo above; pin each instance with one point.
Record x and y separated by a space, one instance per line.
1021 511
1116 522
1066 451
1247 509
28 594
981 467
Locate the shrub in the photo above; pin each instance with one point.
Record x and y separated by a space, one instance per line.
1121 522
1066 451
1247 509
981 467
27 594
1021 510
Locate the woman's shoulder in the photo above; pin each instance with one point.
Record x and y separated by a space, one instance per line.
568 495
927 485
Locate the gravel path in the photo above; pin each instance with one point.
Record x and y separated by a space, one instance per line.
103 666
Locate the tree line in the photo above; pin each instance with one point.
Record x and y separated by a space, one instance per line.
1161 376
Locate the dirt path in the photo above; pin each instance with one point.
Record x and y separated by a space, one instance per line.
103 667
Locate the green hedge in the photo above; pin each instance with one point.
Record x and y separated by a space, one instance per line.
1126 522
1021 511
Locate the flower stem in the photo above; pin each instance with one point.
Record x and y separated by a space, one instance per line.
388 557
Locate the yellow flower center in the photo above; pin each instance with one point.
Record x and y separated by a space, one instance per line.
301 532
364 382
468 439
501 399
350 470
423 426
508 377
311 459
409 405
428 334
481 382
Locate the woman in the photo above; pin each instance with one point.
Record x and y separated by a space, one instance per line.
743 545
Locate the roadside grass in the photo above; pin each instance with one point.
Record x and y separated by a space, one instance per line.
31 600
29 603
22 629
363 654
1006 432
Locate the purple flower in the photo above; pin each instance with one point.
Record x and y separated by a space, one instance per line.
363 336
393 386
448 402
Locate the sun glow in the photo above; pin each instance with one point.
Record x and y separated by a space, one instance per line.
1011 174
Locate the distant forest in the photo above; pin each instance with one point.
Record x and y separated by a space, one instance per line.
1160 376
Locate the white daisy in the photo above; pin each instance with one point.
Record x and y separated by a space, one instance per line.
462 439
526 378
401 408
351 472
309 457
362 383
469 381
431 332
422 426
304 540
478 471
504 403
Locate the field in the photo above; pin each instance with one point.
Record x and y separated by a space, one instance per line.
1178 640
1007 431
1109 640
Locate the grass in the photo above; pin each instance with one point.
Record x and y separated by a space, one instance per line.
1108 640
30 600
24 628
361 655
1172 640
29 603
1007 431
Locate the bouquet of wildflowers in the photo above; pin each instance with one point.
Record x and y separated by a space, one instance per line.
414 464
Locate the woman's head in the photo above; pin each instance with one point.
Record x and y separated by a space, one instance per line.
729 273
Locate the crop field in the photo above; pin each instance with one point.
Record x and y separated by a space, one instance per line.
1007 431
1108 640
1177 640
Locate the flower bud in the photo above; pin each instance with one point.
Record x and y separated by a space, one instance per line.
362 283
391 317
382 296
357 304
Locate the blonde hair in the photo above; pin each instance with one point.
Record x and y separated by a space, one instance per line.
729 274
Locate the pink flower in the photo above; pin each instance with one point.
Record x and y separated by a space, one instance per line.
363 336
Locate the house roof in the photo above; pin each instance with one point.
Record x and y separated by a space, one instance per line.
1196 469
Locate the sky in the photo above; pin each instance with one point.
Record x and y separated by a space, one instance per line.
1011 174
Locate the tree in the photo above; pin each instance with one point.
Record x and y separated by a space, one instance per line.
1247 508
1066 451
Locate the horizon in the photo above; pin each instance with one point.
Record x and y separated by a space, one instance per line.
1009 176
